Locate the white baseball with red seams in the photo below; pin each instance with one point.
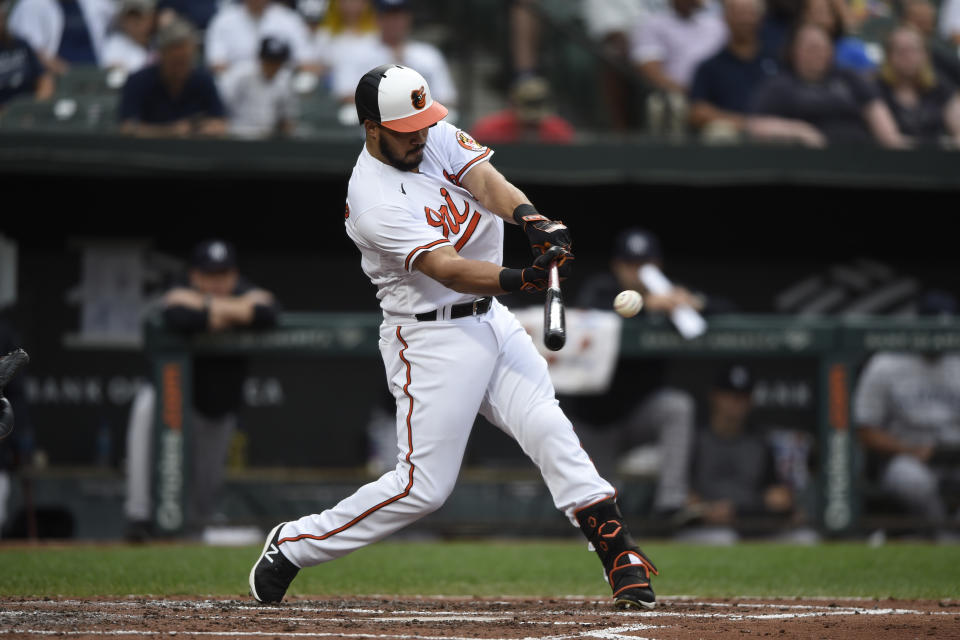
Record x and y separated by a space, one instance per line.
443 372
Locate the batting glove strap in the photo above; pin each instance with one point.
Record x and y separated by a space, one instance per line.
542 232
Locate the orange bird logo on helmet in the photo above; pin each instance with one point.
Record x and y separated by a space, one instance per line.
419 98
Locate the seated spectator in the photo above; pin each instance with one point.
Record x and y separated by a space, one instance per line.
841 106
128 47
723 84
667 47
732 472
197 12
63 32
395 20
346 26
235 33
925 108
528 119
950 21
848 52
20 69
259 94
906 409
922 16
172 97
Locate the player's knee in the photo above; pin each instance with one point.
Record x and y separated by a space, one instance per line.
429 495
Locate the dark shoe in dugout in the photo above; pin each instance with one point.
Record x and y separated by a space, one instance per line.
272 574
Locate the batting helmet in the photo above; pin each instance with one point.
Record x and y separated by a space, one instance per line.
398 98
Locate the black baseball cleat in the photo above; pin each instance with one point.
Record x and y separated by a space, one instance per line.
272 574
630 580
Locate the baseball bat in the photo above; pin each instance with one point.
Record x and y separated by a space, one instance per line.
554 322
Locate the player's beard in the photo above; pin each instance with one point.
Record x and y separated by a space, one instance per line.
401 163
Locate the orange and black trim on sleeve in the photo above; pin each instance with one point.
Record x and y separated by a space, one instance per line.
406 490
406 263
470 164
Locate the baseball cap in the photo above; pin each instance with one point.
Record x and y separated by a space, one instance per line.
635 245
392 5
734 377
398 98
213 255
274 49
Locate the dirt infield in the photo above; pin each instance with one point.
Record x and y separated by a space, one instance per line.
439 618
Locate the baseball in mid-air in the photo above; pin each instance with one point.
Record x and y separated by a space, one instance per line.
628 303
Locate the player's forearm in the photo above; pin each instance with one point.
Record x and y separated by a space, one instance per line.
469 276
493 191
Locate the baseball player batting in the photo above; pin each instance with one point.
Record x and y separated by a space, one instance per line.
426 209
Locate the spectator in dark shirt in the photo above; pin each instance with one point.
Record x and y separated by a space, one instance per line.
841 105
732 473
925 107
214 298
173 97
529 118
20 69
723 83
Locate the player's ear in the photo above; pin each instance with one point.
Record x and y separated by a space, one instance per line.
372 129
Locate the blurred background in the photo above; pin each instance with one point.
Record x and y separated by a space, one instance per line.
789 165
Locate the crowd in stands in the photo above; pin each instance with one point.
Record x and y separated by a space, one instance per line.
808 72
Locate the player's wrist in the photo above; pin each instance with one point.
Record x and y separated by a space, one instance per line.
525 213
511 280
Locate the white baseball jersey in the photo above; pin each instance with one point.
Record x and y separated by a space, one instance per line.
395 216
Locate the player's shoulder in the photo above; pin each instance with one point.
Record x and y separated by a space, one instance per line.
448 135
373 185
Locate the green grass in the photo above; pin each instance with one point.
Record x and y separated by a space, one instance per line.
490 568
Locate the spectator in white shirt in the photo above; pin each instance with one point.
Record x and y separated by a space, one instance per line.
235 33
63 32
395 20
259 94
667 47
128 47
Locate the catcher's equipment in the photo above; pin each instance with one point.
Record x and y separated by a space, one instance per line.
9 365
542 232
626 568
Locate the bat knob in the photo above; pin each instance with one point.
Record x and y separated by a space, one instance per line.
555 340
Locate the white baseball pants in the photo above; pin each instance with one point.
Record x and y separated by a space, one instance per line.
442 373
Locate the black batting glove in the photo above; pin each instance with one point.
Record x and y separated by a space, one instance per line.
541 231
536 276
